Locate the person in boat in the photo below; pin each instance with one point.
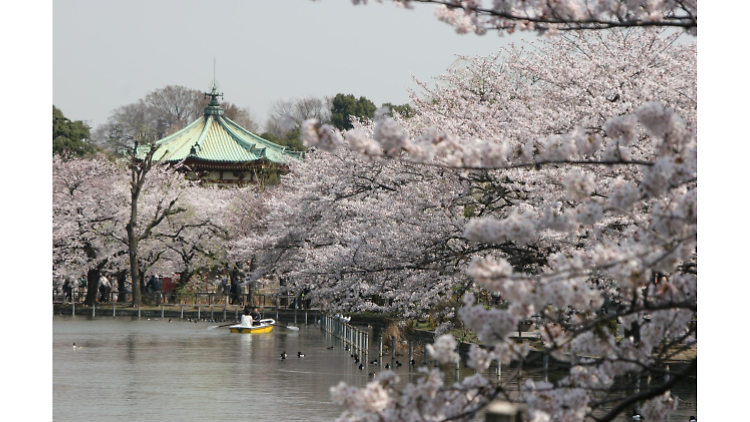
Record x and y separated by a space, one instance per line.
247 319
255 316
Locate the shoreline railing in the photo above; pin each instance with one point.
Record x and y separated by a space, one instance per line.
358 339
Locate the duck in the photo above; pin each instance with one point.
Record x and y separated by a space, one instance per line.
372 374
77 347
283 354
637 416
361 366
412 362
300 355
375 362
170 320
347 348
398 363
356 360
387 366
693 419
330 348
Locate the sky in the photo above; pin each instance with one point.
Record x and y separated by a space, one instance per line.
108 54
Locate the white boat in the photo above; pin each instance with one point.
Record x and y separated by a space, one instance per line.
264 326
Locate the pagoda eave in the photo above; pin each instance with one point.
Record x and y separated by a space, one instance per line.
197 164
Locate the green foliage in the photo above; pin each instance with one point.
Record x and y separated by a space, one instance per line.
469 211
184 293
290 140
344 106
70 137
403 110
609 325
271 178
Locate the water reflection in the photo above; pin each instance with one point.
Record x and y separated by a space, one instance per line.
130 369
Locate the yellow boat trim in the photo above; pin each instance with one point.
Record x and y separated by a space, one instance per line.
249 330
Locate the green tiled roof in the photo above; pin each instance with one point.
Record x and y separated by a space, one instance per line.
215 138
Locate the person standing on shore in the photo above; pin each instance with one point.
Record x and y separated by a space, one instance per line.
104 288
67 290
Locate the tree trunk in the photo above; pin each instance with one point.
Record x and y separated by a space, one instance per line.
122 277
134 273
135 277
92 279
142 284
185 277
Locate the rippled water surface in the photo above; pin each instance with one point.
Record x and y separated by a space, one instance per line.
141 370
132 369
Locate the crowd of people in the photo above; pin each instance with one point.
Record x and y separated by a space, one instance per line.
75 290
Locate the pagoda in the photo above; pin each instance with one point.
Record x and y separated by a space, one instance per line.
217 150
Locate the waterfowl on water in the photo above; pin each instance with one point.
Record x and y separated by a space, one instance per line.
77 347
637 416
387 366
361 366
283 354
372 374
412 362
375 362
398 363
692 419
330 348
300 355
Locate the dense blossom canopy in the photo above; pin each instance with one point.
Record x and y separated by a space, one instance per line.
584 151
91 208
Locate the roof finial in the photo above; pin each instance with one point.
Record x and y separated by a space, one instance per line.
214 107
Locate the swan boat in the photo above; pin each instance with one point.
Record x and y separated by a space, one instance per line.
264 326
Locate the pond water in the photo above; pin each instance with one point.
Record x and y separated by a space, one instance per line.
131 369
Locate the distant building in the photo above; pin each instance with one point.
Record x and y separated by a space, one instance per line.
219 151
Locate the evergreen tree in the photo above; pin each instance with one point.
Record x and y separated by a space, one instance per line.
344 106
68 136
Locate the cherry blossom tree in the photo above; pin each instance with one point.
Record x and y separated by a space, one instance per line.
161 187
589 152
85 211
196 239
551 17
147 218
364 235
